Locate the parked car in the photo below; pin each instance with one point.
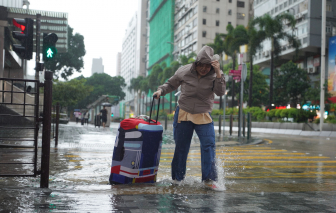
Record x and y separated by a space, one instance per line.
63 119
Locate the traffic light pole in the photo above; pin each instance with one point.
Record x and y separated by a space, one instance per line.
38 33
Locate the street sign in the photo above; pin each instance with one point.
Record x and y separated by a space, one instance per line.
236 77
240 67
235 72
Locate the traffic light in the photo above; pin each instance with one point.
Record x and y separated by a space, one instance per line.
25 36
49 46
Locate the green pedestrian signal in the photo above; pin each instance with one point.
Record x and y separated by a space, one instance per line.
49 49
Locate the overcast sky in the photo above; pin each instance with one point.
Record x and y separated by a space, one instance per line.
101 22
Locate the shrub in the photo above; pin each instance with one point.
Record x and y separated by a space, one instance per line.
284 113
277 113
217 112
259 115
271 113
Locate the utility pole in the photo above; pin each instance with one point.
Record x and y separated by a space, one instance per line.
323 38
38 67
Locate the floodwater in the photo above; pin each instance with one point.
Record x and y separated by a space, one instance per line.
292 169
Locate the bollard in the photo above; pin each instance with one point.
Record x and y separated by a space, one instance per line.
57 123
231 121
166 121
244 123
248 125
220 124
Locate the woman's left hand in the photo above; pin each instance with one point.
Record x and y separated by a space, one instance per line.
215 65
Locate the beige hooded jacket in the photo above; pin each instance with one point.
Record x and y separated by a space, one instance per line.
197 94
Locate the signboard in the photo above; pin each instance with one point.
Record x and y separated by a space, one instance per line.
236 77
316 61
332 66
240 67
235 72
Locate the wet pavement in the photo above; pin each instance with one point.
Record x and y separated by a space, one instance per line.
282 174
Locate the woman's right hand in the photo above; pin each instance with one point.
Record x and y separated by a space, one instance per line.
157 93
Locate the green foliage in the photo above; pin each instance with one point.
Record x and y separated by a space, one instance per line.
103 84
65 64
217 112
271 113
69 93
331 119
290 84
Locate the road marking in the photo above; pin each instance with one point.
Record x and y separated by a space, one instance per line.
269 141
260 157
237 153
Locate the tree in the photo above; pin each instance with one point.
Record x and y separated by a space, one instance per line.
135 86
65 64
291 84
103 84
274 28
69 93
255 38
233 40
259 95
218 47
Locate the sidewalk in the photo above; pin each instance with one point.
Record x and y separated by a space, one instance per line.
283 131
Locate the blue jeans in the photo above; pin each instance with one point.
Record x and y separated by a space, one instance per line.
182 135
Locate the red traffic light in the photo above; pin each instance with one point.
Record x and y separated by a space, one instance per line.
24 46
19 23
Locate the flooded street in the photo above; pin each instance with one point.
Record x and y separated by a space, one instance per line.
282 174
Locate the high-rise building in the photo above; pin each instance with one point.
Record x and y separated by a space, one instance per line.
118 67
308 30
133 57
97 66
196 23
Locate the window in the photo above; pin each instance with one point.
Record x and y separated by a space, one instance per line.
230 12
204 34
230 1
204 21
204 9
217 10
276 10
240 15
329 7
195 22
272 12
280 7
217 23
285 4
290 2
229 22
240 4
195 9
217 0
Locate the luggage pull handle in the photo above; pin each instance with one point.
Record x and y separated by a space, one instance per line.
150 114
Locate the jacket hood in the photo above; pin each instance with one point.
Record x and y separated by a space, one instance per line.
206 55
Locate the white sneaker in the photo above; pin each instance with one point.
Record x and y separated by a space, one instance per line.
213 185
176 182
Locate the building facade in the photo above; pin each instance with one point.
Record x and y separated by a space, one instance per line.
97 66
196 23
308 15
118 66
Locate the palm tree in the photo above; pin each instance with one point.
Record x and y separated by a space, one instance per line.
135 86
233 40
255 38
274 28
219 48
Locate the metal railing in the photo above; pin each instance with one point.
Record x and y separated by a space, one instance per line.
19 125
